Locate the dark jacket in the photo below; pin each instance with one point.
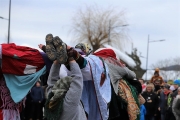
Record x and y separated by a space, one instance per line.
37 94
117 107
151 103
174 94
163 102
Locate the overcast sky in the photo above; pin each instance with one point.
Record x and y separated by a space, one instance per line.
31 20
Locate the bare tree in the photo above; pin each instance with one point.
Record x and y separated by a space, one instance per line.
93 25
177 61
137 69
169 68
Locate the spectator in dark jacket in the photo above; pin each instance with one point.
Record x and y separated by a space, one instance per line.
28 106
163 106
157 90
151 102
37 96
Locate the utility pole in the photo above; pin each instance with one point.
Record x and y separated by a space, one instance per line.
148 51
147 57
9 21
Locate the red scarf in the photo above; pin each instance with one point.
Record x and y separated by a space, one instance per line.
166 92
105 53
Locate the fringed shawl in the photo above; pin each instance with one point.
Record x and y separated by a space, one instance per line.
129 94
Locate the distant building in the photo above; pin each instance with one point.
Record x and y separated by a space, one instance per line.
172 67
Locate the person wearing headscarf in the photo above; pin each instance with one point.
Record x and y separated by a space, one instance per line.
157 77
84 47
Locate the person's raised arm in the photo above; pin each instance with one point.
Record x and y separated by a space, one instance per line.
53 75
74 93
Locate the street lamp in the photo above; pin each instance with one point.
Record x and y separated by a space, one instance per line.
3 18
8 21
113 27
148 51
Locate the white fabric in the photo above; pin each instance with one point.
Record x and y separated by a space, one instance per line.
30 69
172 88
63 71
103 92
86 73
